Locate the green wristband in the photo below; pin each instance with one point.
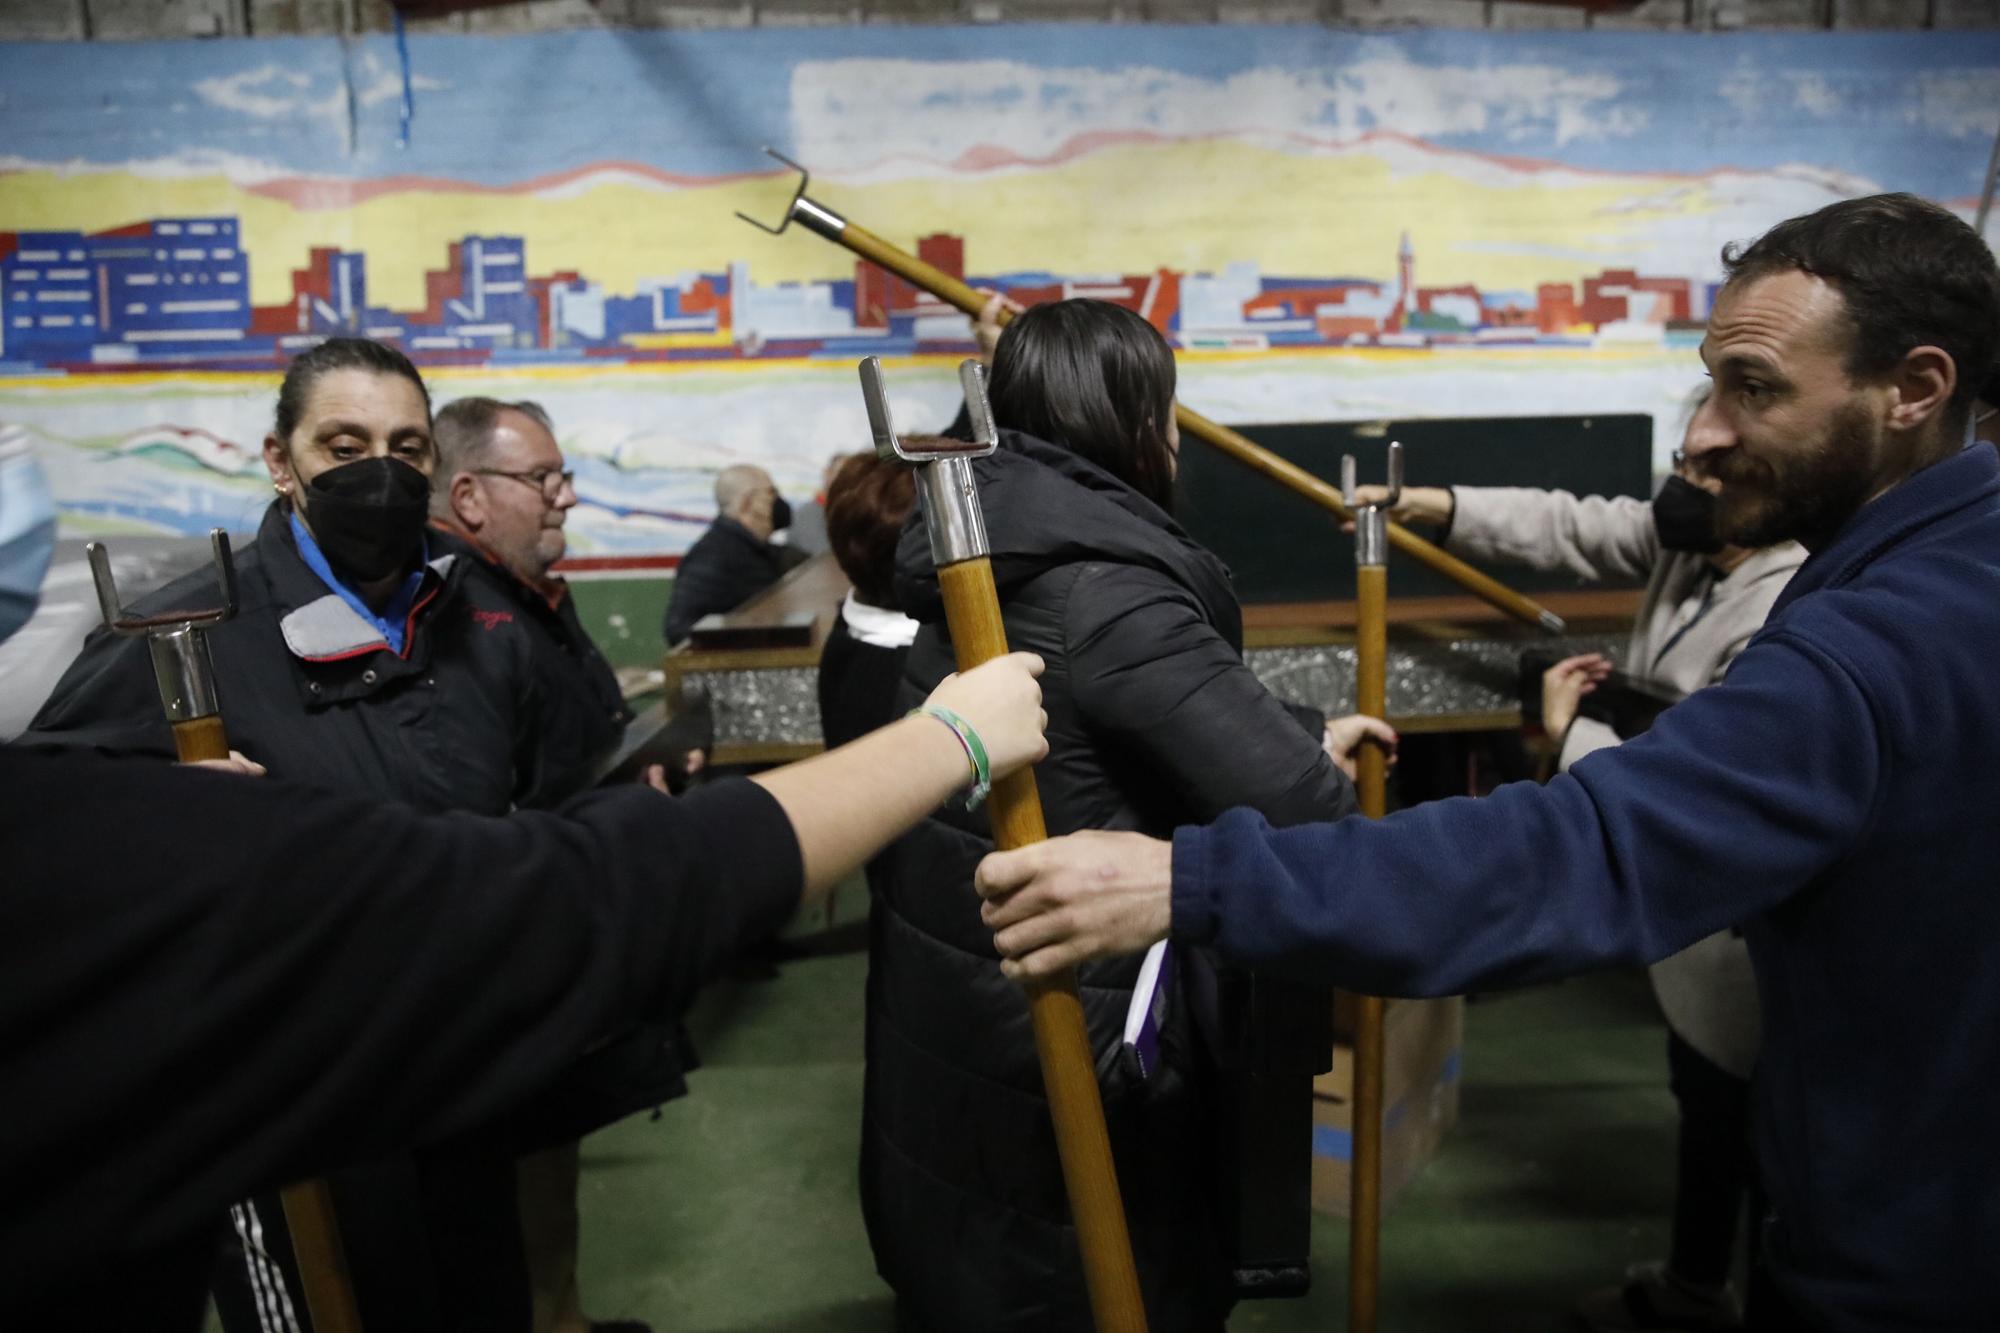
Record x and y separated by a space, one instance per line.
975 751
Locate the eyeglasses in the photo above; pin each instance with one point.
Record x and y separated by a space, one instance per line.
551 482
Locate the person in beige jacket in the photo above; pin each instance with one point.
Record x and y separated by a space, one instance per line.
1703 601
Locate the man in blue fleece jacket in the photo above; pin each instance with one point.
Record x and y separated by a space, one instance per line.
1831 795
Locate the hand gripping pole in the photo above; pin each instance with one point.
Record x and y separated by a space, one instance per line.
950 499
185 674
823 221
1371 637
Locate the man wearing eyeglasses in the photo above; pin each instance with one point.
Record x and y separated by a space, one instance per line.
502 490
484 444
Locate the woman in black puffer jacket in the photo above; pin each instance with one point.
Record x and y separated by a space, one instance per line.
1154 721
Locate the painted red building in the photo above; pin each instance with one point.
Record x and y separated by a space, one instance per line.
1555 307
878 294
328 294
1608 297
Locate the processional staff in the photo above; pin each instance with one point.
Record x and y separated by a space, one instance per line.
823 221
949 497
1371 674
185 673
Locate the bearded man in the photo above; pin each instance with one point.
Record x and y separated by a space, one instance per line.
1829 794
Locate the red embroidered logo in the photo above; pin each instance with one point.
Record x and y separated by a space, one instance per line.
493 619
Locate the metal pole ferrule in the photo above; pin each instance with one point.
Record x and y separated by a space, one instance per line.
818 219
1371 536
184 672
951 511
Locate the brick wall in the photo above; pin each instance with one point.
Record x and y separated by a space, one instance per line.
113 20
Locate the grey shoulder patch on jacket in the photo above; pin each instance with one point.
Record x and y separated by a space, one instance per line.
329 627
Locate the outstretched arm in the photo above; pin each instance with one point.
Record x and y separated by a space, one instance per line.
847 804
1724 809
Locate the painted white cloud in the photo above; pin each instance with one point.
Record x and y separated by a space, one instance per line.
180 163
269 92
272 92
1812 93
374 81
1756 91
1744 88
1963 103
844 111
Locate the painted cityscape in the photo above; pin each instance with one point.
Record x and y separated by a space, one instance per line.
1330 225
176 292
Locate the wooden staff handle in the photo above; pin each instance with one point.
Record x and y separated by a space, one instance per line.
322 1261
1069 1073
1244 450
200 738
309 1214
1371 683
1364 1234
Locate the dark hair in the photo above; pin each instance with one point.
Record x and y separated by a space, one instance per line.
338 354
1096 379
1911 274
463 430
866 503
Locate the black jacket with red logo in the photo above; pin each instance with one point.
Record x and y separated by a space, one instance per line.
309 689
577 702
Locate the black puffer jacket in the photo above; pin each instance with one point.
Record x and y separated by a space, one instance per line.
453 722
309 689
1154 721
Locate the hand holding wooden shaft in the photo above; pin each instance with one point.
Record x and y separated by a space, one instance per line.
823 221
185 674
1371 638
950 501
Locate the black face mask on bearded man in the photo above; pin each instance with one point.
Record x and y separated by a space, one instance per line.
368 516
1685 517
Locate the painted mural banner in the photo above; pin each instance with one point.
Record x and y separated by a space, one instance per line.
1329 225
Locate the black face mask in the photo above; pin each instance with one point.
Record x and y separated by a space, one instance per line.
1684 516
368 516
781 514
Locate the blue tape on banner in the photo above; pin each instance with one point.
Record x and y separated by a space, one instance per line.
408 110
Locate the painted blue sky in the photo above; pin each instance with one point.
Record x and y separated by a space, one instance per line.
1911 111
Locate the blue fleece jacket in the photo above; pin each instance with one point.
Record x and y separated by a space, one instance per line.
1836 794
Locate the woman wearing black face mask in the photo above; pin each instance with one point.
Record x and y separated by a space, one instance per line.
361 662
1153 721
1704 599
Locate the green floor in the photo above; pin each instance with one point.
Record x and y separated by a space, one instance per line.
737 1210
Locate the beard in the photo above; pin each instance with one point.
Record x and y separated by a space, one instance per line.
1805 495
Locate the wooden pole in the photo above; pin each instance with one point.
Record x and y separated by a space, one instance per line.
1364 1234
309 1214
200 738
949 497
315 1229
1239 447
1069 1072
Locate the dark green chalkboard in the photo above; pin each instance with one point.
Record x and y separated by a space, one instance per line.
1286 549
